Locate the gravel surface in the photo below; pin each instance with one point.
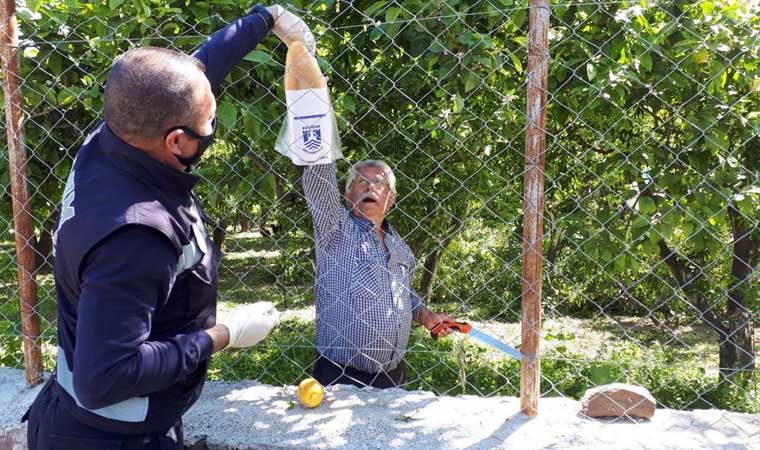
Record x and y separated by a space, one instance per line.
15 396
249 415
261 417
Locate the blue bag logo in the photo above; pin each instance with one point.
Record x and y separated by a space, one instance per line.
312 138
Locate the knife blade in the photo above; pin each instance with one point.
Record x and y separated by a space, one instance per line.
466 328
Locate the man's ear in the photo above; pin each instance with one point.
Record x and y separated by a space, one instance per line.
172 142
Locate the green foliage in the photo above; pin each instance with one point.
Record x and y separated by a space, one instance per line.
492 290
663 154
441 97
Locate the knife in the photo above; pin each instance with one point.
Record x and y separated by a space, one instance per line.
466 328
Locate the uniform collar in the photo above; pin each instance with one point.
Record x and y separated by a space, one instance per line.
143 166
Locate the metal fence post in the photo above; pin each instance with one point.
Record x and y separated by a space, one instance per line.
533 205
24 231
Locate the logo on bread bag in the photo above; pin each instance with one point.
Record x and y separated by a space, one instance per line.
312 138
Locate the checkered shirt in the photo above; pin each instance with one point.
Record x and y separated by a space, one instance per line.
364 299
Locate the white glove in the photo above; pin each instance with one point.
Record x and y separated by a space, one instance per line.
249 324
289 27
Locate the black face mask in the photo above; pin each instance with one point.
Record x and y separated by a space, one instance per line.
203 143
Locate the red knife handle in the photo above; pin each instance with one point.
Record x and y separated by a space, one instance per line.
461 327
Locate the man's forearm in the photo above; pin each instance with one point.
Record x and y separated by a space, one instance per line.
110 374
113 359
226 47
428 318
320 186
421 314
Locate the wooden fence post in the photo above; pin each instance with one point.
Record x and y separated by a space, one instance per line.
533 205
24 231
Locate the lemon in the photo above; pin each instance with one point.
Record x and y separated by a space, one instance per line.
310 393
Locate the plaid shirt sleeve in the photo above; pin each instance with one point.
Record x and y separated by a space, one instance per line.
320 186
416 302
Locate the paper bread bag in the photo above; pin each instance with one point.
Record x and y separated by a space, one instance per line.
309 135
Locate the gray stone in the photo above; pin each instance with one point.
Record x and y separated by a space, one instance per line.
618 400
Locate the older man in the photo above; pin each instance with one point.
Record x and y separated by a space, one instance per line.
364 300
135 271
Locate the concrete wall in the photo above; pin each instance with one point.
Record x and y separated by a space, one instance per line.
249 415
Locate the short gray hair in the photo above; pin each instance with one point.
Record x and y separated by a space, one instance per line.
149 90
353 172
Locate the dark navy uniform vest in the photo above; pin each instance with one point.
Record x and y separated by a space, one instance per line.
113 185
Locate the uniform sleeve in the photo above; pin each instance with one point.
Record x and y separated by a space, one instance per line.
123 280
320 185
225 48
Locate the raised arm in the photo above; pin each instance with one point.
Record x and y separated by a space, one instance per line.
323 197
225 48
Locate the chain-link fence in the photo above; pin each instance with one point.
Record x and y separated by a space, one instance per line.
652 199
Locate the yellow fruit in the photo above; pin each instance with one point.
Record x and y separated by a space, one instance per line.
701 56
310 393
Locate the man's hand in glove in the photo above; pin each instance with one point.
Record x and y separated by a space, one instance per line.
289 27
249 324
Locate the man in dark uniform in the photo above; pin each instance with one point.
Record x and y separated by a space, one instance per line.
135 271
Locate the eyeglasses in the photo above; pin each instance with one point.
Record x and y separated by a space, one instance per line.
381 182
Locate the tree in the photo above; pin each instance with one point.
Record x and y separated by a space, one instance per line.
655 109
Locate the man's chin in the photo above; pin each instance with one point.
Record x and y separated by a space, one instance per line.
367 210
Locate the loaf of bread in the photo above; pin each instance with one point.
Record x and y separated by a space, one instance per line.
301 69
309 135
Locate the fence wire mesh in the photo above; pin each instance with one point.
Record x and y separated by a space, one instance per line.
652 205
